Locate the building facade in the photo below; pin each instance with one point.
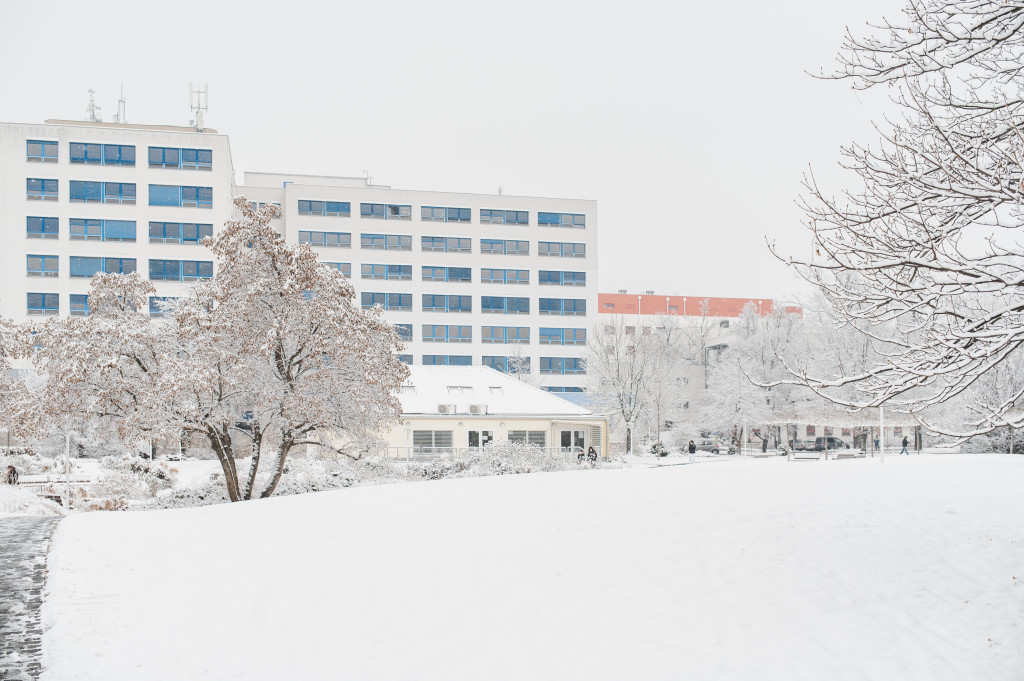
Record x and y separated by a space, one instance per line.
507 282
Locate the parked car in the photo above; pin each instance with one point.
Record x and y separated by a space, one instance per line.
830 443
802 445
705 445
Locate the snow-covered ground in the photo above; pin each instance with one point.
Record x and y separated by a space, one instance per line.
22 501
745 569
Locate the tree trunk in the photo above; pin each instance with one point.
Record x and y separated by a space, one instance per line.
629 437
254 460
283 449
221 443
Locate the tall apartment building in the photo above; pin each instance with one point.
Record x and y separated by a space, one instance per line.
468 279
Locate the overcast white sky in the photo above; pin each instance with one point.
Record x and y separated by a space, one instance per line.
689 122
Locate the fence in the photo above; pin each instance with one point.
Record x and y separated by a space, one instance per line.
415 453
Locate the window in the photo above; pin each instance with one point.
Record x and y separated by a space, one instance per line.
442 303
552 336
442 214
179 232
41 265
385 211
192 270
563 388
260 205
41 228
559 278
184 196
103 192
558 249
40 190
79 305
450 333
386 242
82 229
405 359
165 270
504 217
103 154
508 365
400 272
448 244
325 208
505 246
575 220
449 360
86 192
504 305
159 306
186 159
454 274
724 324
533 437
86 267
344 267
563 306
427 441
562 365
326 239
388 301
505 334
404 331
496 276
43 303
40 151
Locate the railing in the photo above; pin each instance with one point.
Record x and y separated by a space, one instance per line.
430 453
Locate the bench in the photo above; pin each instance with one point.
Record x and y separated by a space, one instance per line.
807 456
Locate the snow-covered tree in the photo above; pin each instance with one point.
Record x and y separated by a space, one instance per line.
618 370
16 413
923 255
257 360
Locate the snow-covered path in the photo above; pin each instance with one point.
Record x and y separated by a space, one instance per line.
762 570
23 544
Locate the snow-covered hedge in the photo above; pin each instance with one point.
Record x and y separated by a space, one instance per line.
25 502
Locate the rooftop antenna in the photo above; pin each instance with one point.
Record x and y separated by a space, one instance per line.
499 190
369 180
199 101
92 109
119 117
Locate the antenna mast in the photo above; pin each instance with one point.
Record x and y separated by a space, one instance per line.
92 109
119 117
199 101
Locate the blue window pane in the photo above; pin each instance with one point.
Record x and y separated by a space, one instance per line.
164 195
42 228
90 192
119 230
85 267
79 304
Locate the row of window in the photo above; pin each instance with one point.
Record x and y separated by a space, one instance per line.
396 211
78 304
488 304
86 266
465 275
511 365
442 244
87 191
88 153
91 229
458 333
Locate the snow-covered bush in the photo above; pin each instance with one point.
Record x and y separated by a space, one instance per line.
658 449
22 501
24 460
505 458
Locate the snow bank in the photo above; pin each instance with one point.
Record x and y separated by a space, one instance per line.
20 501
761 570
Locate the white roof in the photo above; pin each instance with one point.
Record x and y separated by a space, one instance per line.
429 386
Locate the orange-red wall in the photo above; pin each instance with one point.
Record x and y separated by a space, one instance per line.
626 303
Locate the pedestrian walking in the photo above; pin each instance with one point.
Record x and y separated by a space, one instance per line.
692 448
12 475
905 443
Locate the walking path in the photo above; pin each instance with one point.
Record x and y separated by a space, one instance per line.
23 544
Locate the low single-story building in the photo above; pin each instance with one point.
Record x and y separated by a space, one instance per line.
446 409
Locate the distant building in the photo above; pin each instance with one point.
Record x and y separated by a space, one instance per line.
684 306
507 282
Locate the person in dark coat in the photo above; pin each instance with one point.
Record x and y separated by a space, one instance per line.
905 443
12 475
691 448
591 454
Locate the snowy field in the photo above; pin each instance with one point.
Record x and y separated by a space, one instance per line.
746 569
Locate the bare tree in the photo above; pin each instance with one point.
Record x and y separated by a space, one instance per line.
923 257
618 369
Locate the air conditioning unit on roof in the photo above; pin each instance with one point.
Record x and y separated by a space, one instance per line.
478 409
446 409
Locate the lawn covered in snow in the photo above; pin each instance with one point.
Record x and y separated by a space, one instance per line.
746 569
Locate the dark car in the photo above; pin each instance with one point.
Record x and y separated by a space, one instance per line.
832 443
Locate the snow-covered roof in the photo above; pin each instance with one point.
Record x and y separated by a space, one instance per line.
430 386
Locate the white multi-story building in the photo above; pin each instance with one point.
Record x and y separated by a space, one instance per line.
469 279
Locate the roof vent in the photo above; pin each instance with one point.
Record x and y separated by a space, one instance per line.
622 291
648 293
